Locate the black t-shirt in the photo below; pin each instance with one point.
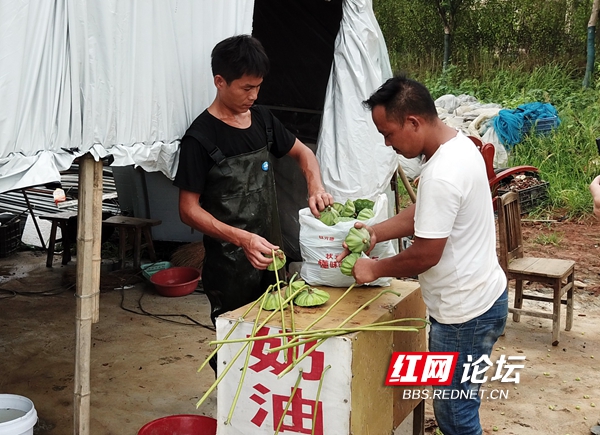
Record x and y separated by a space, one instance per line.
194 160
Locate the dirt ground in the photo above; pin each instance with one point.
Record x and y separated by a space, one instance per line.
559 389
144 367
146 349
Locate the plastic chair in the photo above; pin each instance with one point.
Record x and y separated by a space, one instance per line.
496 177
557 274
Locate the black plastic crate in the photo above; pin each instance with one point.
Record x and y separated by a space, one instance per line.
530 197
10 236
541 126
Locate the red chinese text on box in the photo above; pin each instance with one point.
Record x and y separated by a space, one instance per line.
300 412
329 262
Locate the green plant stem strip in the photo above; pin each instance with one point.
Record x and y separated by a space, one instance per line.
327 311
243 376
293 331
307 330
282 310
318 343
236 356
307 335
235 325
289 402
314 419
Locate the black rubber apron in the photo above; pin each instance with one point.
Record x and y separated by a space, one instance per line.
241 193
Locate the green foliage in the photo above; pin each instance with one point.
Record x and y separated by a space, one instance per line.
512 52
568 157
552 238
529 31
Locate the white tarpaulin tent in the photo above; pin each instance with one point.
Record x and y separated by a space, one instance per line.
126 78
109 77
354 160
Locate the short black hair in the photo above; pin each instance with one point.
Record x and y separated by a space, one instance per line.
239 55
402 97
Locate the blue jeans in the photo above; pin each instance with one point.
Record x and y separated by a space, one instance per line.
475 337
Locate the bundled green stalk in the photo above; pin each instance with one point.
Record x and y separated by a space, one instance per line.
302 294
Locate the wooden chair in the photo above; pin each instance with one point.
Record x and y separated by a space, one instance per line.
557 274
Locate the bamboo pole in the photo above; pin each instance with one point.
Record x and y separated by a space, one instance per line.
97 238
407 186
87 290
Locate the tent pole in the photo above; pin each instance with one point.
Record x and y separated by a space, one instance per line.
87 289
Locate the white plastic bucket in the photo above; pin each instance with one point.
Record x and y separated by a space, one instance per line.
17 415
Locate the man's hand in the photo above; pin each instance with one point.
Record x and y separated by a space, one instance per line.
318 201
363 271
373 238
258 251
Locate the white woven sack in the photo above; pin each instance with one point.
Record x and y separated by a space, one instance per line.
320 244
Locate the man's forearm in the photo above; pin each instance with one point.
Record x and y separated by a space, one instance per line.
204 222
310 167
400 225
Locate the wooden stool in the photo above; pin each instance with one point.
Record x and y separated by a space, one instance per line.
134 227
67 221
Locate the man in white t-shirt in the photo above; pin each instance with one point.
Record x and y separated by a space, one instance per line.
454 246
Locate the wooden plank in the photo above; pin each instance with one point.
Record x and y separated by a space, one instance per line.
74 202
552 267
411 306
547 267
521 264
372 401
62 216
97 240
127 221
531 313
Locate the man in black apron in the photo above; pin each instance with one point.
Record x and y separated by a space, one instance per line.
226 181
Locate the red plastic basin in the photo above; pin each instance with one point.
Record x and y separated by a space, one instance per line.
184 424
176 281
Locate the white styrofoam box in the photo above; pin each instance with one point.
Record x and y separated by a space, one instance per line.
30 235
264 397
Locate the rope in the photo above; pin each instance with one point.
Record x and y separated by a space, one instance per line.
512 125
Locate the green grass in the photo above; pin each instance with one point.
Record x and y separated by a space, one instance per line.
552 238
568 157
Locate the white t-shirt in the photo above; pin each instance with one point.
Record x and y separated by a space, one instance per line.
454 201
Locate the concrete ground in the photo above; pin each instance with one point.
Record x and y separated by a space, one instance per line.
146 348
